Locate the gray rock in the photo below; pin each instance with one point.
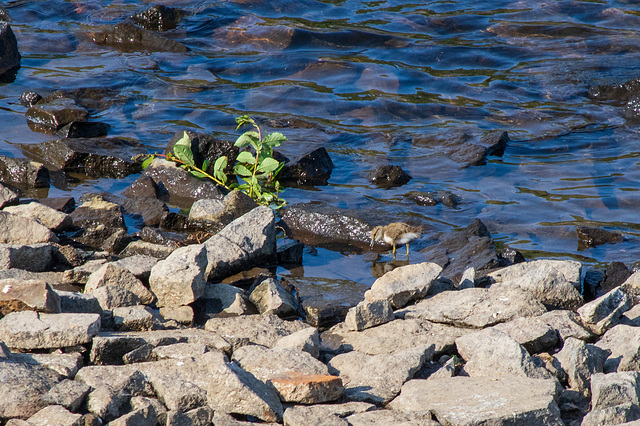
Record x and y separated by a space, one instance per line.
263 330
145 416
533 334
632 287
271 297
138 402
247 241
623 342
33 295
492 353
233 390
605 312
307 340
567 324
631 317
393 336
31 330
201 416
482 400
617 415
110 274
224 419
143 248
107 403
222 300
180 278
475 307
390 417
181 314
609 390
468 279
215 213
404 284
140 266
324 414
110 297
140 354
70 394
22 386
378 378
29 257
580 361
369 314
180 351
7 197
556 283
55 415
132 318
52 219
78 303
65 364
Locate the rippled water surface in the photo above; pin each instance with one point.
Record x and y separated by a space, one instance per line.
377 82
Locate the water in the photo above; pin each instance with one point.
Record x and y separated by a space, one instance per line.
377 82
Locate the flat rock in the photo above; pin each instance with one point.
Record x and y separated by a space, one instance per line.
36 295
48 116
132 318
626 414
533 334
37 257
32 330
126 37
475 307
52 219
307 340
221 300
65 364
623 341
143 248
21 230
7 197
263 330
567 324
302 388
55 414
390 417
378 378
609 390
404 284
70 394
111 274
482 400
324 414
140 266
555 283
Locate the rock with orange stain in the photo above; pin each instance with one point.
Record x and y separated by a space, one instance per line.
304 388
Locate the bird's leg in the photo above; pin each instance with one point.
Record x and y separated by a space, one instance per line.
394 252
407 250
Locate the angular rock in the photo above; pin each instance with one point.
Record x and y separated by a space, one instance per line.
592 237
605 312
52 219
388 176
31 330
609 390
132 318
206 147
369 314
126 37
404 284
214 214
255 329
34 295
145 416
378 378
290 253
7 197
84 129
307 340
580 361
313 168
48 117
55 414
492 353
110 297
180 278
142 248
78 303
301 388
107 403
20 230
65 364
221 300
533 334
567 324
181 314
482 400
247 241
23 172
623 342
27 257
556 283
626 414
201 416
10 59
139 266
324 414
138 402
158 18
271 297
390 417
631 286
96 157
70 394
475 307
111 274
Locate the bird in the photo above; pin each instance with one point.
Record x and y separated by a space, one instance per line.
396 233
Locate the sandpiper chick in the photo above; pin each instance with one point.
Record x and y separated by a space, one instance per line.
396 233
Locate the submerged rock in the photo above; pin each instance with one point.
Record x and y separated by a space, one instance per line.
49 117
592 237
388 176
127 37
158 18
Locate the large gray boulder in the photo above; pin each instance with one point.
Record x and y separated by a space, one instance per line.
533 334
404 284
16 229
483 400
609 390
623 342
580 361
247 241
37 257
21 386
604 312
51 218
111 274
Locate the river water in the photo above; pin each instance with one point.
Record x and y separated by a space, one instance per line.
377 82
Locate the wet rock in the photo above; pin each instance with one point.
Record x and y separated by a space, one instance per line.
22 385
475 307
132 318
99 219
621 93
327 301
307 340
95 157
464 148
592 237
247 241
207 147
176 186
158 18
143 187
94 99
55 414
271 297
567 324
22 172
28 257
49 117
605 312
556 283
36 295
233 390
290 253
623 342
52 219
127 37
492 353
378 378
10 58
213 215
32 330
457 251
388 176
158 236
29 98
404 284
369 314
7 197
84 129
445 198
21 230
326 414
180 278
253 329
580 361
310 169
221 300
533 334
482 400
393 336
111 274
61 204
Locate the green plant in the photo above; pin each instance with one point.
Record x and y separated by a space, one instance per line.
257 170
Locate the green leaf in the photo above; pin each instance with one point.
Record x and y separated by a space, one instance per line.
218 169
205 165
184 154
268 165
248 138
198 174
148 161
184 140
244 120
274 139
242 171
246 157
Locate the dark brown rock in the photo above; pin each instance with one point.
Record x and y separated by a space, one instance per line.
158 18
84 129
9 56
388 175
207 147
23 172
127 37
48 117
310 169
591 237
